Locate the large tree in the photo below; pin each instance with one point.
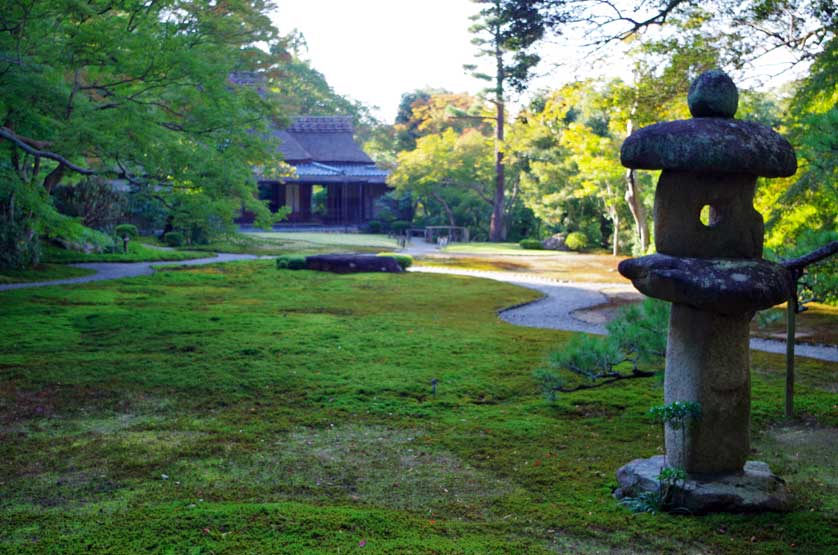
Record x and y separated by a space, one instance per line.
428 111
505 32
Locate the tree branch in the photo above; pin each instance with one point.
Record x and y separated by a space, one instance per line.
615 377
7 134
797 265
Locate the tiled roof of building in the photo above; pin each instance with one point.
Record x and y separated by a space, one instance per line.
320 139
339 173
322 124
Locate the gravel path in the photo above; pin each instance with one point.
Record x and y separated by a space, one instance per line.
118 270
561 299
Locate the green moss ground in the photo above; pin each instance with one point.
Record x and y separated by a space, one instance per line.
42 272
277 243
137 252
240 409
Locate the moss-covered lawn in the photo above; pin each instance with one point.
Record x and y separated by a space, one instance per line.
239 409
277 243
137 252
42 272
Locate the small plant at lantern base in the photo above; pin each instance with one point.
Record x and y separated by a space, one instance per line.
677 415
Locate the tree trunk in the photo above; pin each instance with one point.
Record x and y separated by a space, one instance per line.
635 203
638 211
497 227
447 208
615 218
53 178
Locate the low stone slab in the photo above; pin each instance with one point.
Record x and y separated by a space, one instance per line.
555 243
755 489
352 263
710 145
725 286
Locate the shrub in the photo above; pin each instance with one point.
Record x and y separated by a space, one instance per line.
291 262
126 230
174 239
19 245
94 200
576 241
531 244
403 260
400 226
374 226
634 348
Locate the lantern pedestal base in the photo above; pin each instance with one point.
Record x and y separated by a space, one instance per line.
755 489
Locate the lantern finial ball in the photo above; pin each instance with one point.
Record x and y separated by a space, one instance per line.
713 95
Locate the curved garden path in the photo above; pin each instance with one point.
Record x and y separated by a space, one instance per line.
561 299
119 270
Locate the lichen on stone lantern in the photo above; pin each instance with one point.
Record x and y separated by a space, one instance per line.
715 278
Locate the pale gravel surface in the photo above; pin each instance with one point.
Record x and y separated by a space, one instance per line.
561 299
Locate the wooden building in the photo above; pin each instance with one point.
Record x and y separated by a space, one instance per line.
325 156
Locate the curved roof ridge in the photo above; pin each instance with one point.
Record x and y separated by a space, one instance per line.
322 124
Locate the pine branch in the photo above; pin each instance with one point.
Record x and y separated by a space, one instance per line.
614 377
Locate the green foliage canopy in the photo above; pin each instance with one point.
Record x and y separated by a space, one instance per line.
134 91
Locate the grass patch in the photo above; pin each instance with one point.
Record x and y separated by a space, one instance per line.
43 272
236 409
490 249
137 252
332 239
278 243
561 266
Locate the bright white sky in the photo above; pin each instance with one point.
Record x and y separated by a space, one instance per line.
376 50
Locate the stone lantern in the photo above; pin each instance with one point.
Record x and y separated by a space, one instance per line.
715 278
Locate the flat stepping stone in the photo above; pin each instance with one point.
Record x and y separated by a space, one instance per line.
352 263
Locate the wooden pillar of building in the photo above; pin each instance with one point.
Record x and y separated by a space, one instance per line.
333 203
344 205
277 196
